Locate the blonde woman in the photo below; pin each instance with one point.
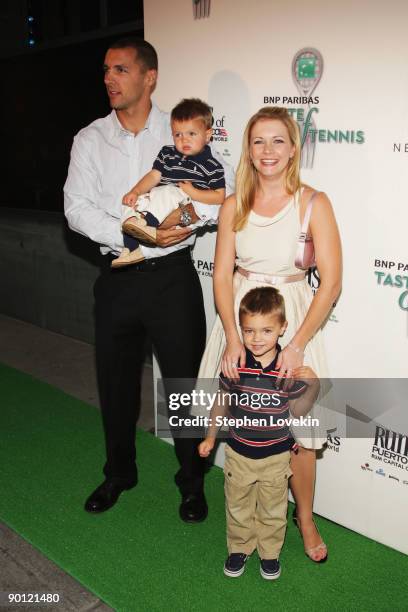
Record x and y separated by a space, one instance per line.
257 242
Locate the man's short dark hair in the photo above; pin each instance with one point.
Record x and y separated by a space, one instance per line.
263 300
192 108
146 53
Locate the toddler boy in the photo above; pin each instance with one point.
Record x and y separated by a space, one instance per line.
181 173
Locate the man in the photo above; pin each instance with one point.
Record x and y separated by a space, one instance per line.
161 295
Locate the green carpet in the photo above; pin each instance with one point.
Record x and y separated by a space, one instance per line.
139 555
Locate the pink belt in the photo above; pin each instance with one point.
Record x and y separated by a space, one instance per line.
271 279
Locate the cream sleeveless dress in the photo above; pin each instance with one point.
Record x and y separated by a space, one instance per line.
267 245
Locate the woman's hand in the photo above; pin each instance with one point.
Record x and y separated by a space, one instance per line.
306 374
234 357
288 361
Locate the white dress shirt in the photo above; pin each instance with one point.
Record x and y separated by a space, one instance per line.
106 162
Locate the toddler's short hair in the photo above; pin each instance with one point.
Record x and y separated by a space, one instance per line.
192 108
263 300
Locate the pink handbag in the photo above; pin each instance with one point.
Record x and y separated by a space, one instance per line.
305 254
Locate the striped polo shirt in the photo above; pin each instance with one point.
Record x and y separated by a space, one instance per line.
260 410
202 170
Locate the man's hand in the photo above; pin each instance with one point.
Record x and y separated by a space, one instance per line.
173 218
168 237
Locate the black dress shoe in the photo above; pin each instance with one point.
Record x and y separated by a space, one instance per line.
106 496
193 508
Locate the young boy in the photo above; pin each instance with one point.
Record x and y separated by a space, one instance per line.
257 453
186 171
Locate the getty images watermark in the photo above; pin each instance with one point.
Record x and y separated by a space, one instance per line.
353 407
201 401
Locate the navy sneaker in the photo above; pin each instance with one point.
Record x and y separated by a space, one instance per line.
235 565
270 569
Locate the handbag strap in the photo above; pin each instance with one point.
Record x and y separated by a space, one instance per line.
308 212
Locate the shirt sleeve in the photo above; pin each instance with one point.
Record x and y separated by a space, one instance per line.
81 197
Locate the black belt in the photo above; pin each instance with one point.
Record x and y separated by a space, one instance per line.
183 256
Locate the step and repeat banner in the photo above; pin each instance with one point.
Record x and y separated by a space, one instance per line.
340 69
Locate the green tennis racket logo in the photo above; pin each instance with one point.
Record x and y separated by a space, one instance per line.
307 70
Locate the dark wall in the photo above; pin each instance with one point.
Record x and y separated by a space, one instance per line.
47 272
49 93
47 97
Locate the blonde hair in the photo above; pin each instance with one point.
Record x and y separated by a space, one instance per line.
247 175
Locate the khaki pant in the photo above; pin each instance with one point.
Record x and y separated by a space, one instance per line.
256 501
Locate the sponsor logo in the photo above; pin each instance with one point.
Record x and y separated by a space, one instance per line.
313 279
220 133
380 472
204 267
393 274
201 8
333 443
390 447
307 70
400 147
277 100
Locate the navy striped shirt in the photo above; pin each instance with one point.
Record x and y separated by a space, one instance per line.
264 431
202 170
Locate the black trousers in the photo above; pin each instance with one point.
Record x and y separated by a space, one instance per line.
162 297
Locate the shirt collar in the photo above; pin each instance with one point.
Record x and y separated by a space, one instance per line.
251 361
153 123
200 157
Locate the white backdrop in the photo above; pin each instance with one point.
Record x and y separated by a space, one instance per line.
235 59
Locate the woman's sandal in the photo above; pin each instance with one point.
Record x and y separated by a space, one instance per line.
311 551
